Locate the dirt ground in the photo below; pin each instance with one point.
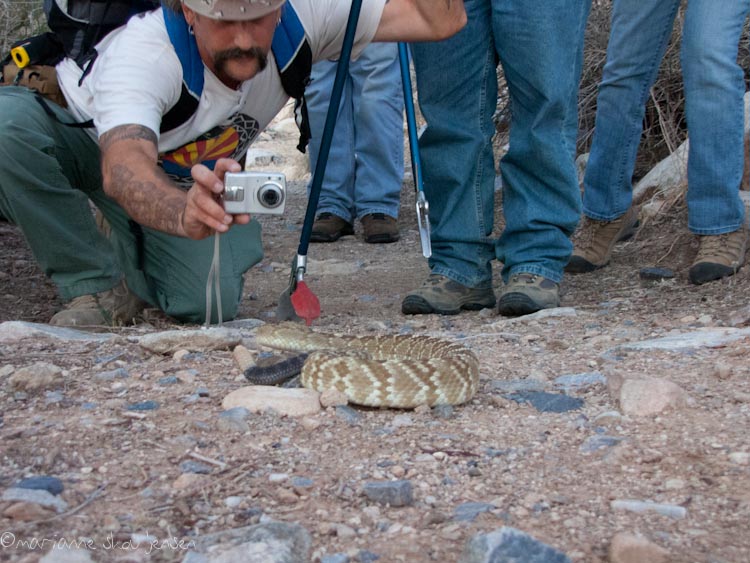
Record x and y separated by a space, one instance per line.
120 471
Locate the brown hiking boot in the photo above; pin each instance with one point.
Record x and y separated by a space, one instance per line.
330 228
719 256
116 306
594 241
528 293
444 296
379 228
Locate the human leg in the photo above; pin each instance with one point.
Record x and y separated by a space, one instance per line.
457 88
46 170
541 199
378 106
336 203
714 89
639 37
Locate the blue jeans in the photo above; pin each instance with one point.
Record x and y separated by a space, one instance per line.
365 166
714 89
538 45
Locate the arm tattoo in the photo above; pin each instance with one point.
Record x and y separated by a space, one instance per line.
124 132
148 198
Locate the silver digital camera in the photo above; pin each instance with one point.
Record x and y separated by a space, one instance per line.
254 192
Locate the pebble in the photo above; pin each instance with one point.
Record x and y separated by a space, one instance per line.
669 510
36 496
180 354
631 548
243 357
740 458
335 558
656 274
508 545
310 423
469 511
393 493
142 406
348 414
191 466
645 397
333 398
233 502
233 420
111 375
197 340
52 485
286 402
547 402
599 442
40 376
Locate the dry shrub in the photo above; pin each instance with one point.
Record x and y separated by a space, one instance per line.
19 19
664 126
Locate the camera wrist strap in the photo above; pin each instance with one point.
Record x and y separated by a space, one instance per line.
214 277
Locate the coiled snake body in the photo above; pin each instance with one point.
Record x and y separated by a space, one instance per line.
402 371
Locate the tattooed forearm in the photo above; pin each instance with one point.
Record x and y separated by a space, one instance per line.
133 179
145 202
125 132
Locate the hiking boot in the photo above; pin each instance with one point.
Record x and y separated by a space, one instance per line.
594 241
379 228
528 293
109 308
444 296
330 228
719 256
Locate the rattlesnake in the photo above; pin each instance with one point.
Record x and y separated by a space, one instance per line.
402 371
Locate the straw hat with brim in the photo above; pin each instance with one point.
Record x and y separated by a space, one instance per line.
233 10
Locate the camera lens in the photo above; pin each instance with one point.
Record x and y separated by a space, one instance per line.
270 195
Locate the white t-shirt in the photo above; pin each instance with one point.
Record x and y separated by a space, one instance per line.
137 78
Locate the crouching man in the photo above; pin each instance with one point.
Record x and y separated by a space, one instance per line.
154 161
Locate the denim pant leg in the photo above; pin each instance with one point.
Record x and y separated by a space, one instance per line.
337 189
639 37
46 172
714 89
457 88
571 122
538 47
378 114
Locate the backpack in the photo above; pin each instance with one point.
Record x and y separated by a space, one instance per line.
76 26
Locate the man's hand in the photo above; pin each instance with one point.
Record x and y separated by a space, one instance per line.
420 20
203 212
134 180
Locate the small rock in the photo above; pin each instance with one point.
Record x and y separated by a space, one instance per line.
142 406
233 420
27 512
740 458
187 480
111 375
36 377
723 371
333 398
232 502
36 496
393 493
508 545
348 414
52 485
309 423
288 402
599 442
547 402
669 510
191 466
335 558
469 511
630 548
180 354
644 397
656 274
197 340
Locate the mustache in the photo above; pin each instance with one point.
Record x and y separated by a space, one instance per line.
222 57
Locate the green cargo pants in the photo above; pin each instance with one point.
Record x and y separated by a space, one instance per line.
48 174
